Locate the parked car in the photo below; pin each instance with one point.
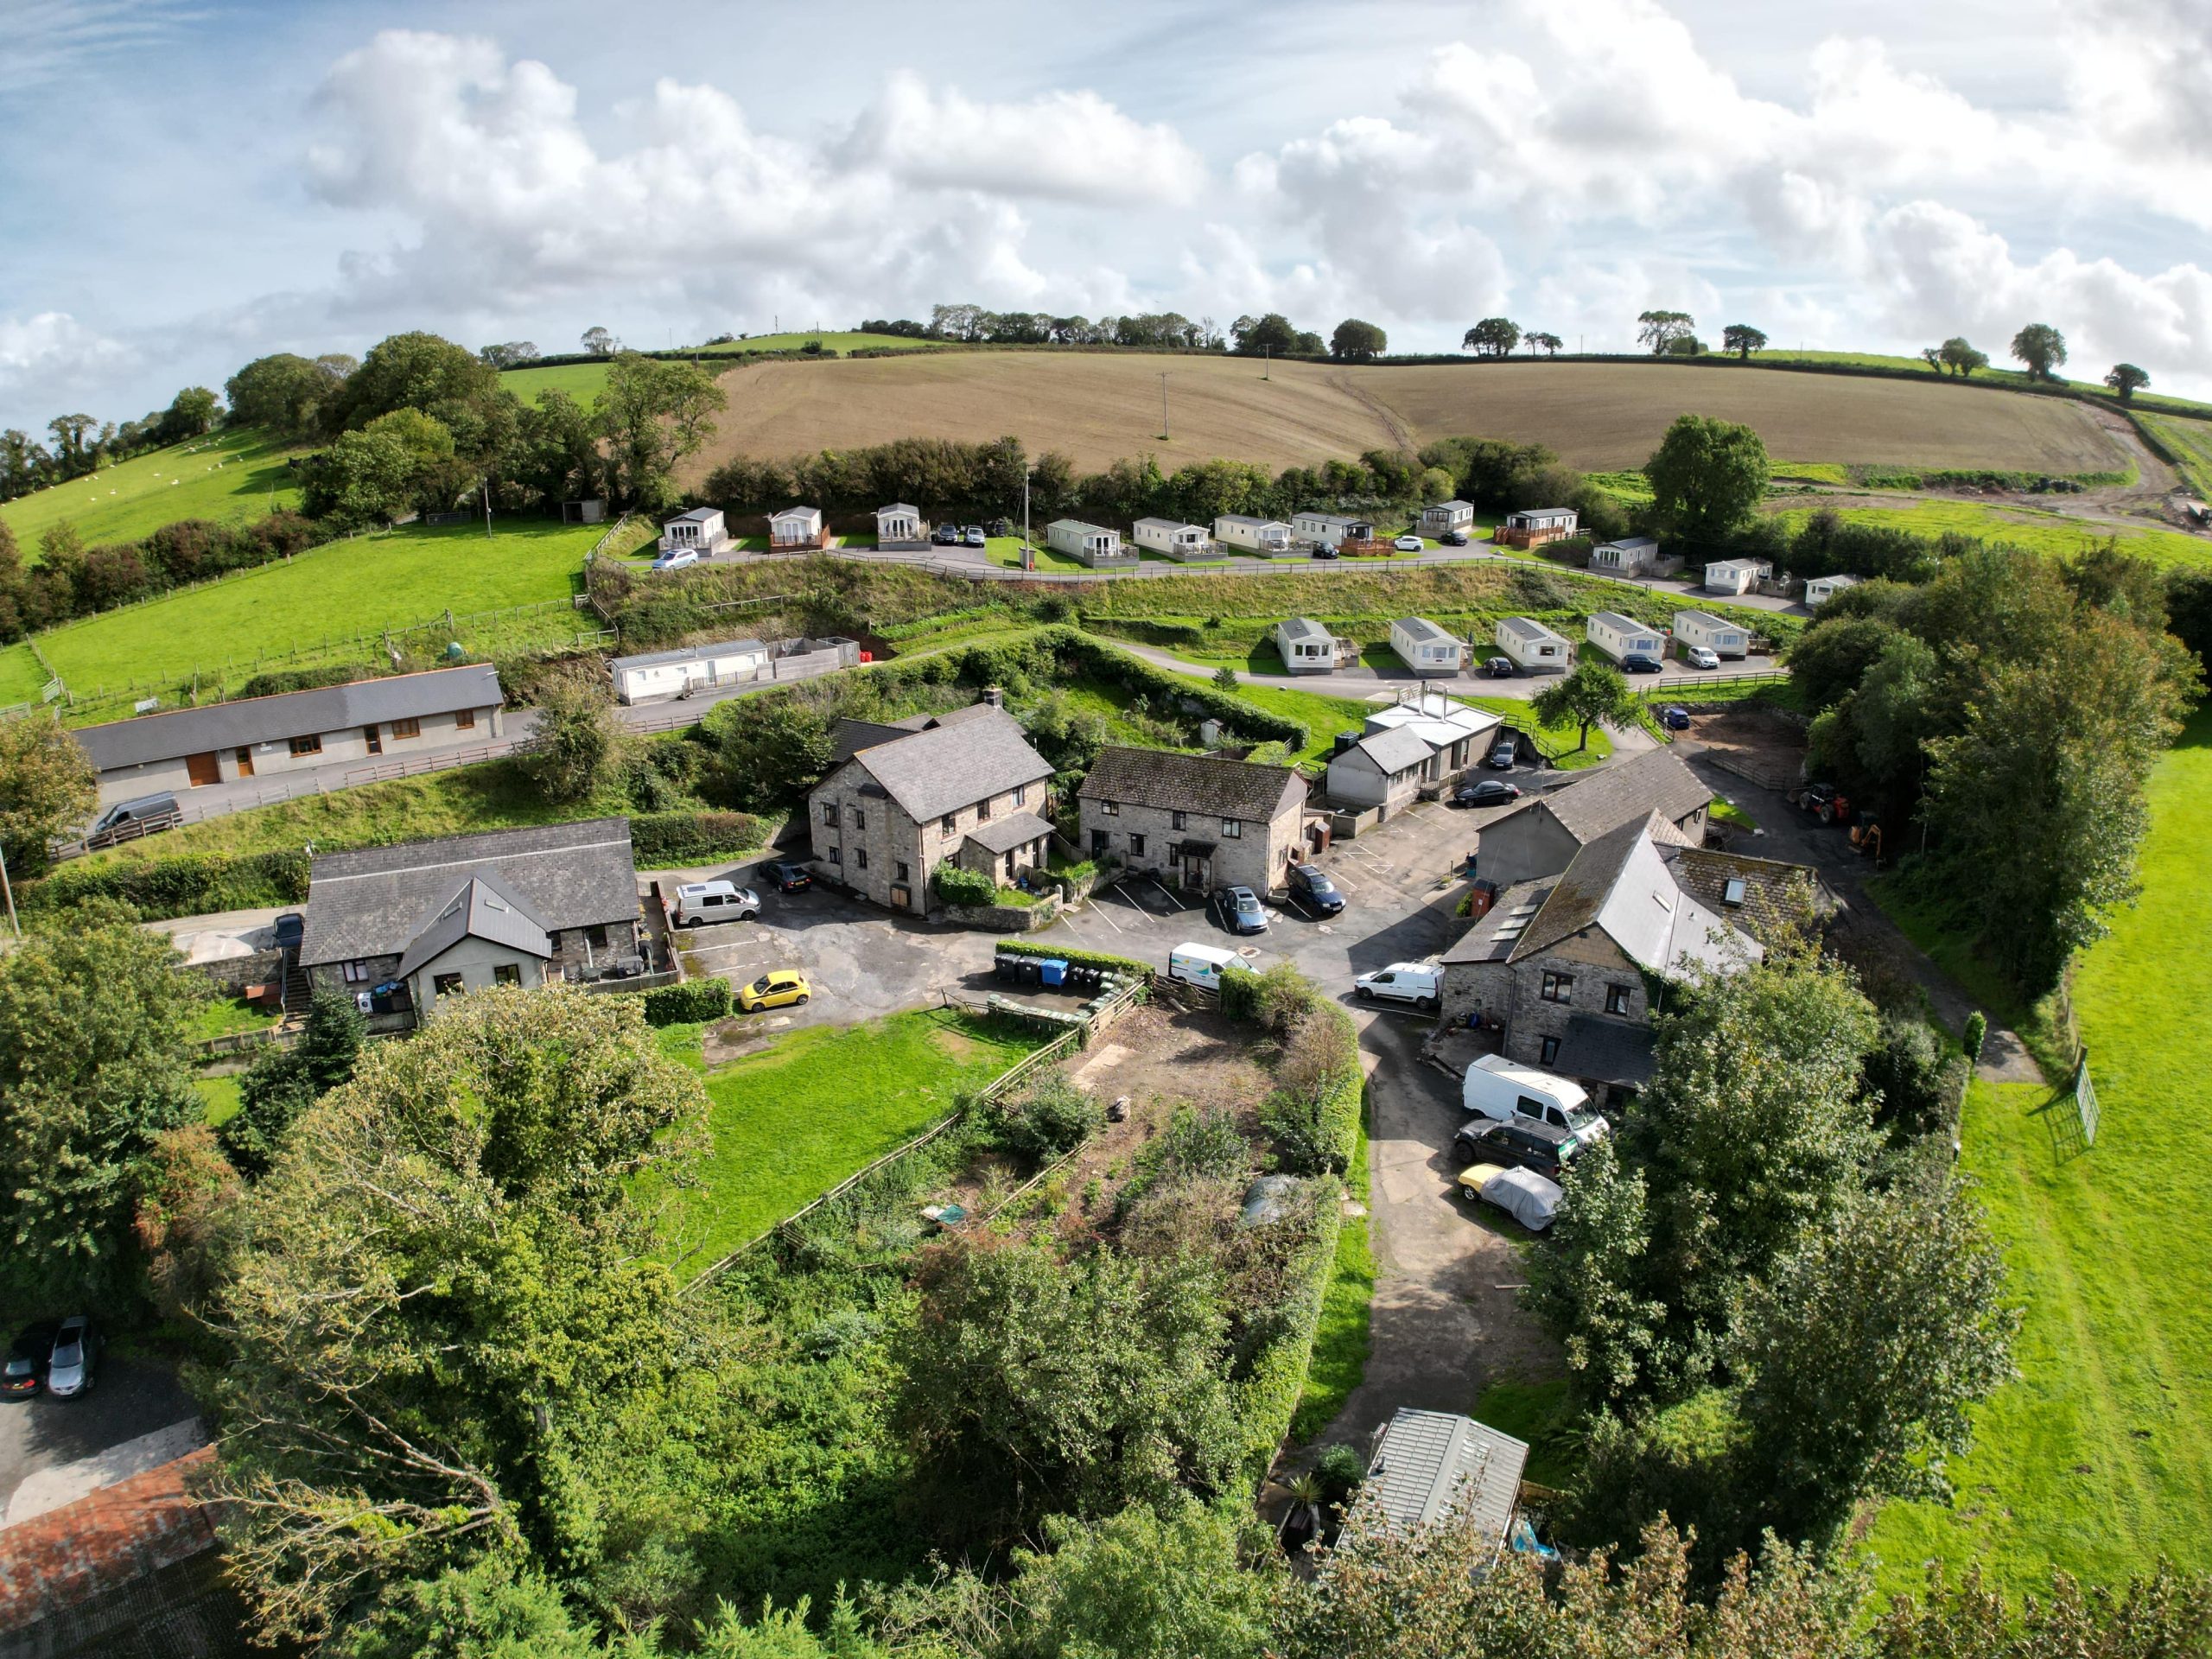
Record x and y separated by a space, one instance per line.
291 927
1453 538
1498 668
1674 717
74 1359
1323 551
24 1374
1503 754
1703 657
1311 883
1637 663
675 558
700 904
1238 910
946 536
787 876
1521 1193
998 527
779 988
1492 791
1409 544
1418 982
974 537
1521 1142
127 820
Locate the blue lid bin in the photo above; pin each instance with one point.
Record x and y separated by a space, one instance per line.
1055 970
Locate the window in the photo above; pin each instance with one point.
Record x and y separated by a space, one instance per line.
1021 794
507 973
307 745
1136 846
595 936
1109 809
465 721
949 823
409 727
1547 1051
860 819
449 985
1232 829
1557 988
860 858
1617 998
983 809
836 854
1177 820
356 973
902 870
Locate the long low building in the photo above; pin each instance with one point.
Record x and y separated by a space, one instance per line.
260 737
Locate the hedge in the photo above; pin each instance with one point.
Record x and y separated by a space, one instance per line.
1268 1397
957 886
182 884
1128 966
662 839
691 1001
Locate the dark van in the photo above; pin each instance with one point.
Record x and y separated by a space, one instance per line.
127 820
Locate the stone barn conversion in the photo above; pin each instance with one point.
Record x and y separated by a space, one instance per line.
1204 821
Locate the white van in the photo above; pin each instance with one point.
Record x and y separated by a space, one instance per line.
1200 966
700 903
1503 1089
1418 982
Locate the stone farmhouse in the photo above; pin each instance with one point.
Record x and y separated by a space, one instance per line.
1541 835
1203 821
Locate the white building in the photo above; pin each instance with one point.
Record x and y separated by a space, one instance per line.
1633 555
1459 734
1533 526
1620 637
900 526
660 674
1820 589
1089 544
1533 645
1172 539
1716 634
795 527
1737 577
701 530
1447 515
1428 649
1267 536
1307 647
1331 529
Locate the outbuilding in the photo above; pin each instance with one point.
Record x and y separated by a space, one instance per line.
655 674
796 527
1535 526
1531 644
1384 769
1428 650
1427 1469
1172 539
703 530
1737 577
1088 545
1266 537
1716 633
1331 529
1448 516
1820 589
1631 556
1622 636
1309 648
899 527
1460 733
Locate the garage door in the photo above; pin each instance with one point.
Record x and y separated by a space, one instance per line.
203 769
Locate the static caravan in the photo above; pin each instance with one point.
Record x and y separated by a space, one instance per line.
795 527
1445 516
1620 637
900 526
1428 649
1331 529
1172 539
1089 544
1266 537
1307 646
1633 555
702 529
1532 646
1717 635
1736 577
1820 589
669 673
1537 525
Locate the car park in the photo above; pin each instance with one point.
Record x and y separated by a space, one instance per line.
1702 657
974 537
676 558
702 904
1419 983
1526 1197
24 1373
1503 754
1520 1141
1490 792
781 988
1409 544
127 820
74 1360
1637 663
1498 668
1674 718
1310 884
787 876
1238 910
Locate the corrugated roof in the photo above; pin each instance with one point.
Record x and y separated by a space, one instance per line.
1208 785
1427 1464
481 907
288 715
687 654
1004 834
956 762
1607 797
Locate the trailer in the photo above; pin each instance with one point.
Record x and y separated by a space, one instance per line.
1428 649
1716 633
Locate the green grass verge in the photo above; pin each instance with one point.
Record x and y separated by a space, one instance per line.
792 1122
218 1096
1733 815
2031 527
223 1017
226 475
1340 1334
21 677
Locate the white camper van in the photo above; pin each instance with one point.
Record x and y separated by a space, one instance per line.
1201 965
1500 1089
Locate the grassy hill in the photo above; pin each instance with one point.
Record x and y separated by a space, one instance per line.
2034 527
225 475
583 381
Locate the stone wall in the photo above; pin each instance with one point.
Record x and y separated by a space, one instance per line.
1003 918
230 976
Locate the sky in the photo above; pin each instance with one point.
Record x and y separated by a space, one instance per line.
189 184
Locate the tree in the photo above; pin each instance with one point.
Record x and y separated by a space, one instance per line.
1550 343
422 371
1273 333
282 1083
93 1013
1707 476
599 343
1960 358
1660 330
1142 1582
2165 1616
190 413
1743 340
284 393
1308 344
2127 379
46 784
378 473
1594 691
1224 678
512 354
444 1293
2042 348
1357 342
655 416
1589 1285
576 741
1493 337
73 456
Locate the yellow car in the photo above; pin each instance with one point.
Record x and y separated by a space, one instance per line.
1474 1177
786 988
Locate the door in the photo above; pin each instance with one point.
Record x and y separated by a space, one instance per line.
1197 870
203 769
376 743
246 761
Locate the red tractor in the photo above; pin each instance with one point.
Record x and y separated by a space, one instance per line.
1825 802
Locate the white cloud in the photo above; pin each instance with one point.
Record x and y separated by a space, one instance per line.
52 349
49 39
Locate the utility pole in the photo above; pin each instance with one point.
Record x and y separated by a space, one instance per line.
1264 361
1163 408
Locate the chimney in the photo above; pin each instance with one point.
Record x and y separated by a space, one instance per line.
996 695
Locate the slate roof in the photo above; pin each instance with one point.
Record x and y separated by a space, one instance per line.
1395 748
1704 872
1428 1463
481 907
958 759
1004 834
1498 930
288 715
851 736
1206 784
687 654
1527 628
1421 631
1621 885
1605 1051
1608 797
375 901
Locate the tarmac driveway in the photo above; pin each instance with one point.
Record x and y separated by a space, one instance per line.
51 1450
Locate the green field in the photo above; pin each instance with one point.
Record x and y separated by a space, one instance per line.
791 1122
2192 442
585 381
220 1096
2032 527
2098 1459
1994 374
582 381
225 475
21 677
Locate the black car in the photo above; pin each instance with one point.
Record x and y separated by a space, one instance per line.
1544 1148
1324 551
1312 886
946 536
1637 663
788 877
1503 754
1498 668
24 1374
1453 538
291 927
1492 791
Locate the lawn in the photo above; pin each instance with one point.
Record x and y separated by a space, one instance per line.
791 1122
225 475
2032 527
218 1096
224 1017
582 381
331 604
2099 1459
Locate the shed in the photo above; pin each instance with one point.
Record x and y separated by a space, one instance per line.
1531 644
1447 515
1090 544
1820 589
795 527
1237 530
659 674
1426 1466
1428 649
1384 769
1622 636
899 526
1737 577
1307 646
1716 634
1173 538
1631 556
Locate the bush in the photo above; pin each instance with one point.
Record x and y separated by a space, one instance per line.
662 839
1128 967
1977 1033
183 883
955 885
1047 1120
694 1001
1339 1469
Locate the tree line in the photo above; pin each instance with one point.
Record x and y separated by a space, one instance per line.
1270 335
82 445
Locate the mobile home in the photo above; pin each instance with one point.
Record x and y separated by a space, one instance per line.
1631 556
702 529
1428 649
1307 647
1331 529
1736 577
1717 635
795 527
1537 525
1620 637
900 526
1820 589
1088 543
669 673
1446 516
1531 644
1250 535
1173 538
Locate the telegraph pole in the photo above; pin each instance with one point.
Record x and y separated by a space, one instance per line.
1163 408
1264 363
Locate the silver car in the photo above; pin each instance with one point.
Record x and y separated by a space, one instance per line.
76 1354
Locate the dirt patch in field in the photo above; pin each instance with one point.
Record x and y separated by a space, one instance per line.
1749 739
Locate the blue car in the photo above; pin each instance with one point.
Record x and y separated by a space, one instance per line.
1238 910
1674 718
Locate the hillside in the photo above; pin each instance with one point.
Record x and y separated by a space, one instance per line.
583 381
224 476
1098 407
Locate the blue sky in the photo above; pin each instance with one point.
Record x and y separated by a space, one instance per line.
190 183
